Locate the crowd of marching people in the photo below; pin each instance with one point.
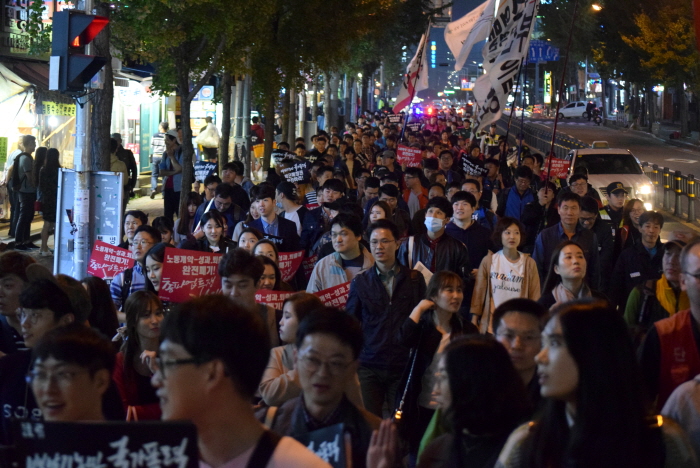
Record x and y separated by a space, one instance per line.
496 315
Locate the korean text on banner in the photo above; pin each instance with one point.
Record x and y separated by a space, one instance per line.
308 265
289 263
336 296
107 261
508 44
188 274
560 168
411 157
274 299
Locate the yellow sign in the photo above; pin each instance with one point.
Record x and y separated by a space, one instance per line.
56 108
547 87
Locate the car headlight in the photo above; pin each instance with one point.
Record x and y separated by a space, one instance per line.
645 189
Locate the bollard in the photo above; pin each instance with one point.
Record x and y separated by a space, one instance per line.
658 194
677 209
667 189
691 198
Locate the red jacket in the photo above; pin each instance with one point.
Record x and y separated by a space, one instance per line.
129 393
422 197
680 360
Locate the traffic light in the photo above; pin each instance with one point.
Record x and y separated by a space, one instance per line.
71 69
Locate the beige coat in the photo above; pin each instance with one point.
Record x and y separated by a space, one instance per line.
482 305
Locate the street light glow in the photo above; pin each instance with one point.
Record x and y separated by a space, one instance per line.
596 7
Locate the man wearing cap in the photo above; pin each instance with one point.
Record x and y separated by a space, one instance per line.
489 142
286 198
611 214
171 171
127 157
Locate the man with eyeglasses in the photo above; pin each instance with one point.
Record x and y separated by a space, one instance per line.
518 324
670 353
328 347
212 356
134 279
382 298
578 183
223 202
415 195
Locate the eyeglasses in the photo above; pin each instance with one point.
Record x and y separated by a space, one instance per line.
586 220
29 316
143 243
61 378
313 364
580 184
383 242
162 364
694 275
510 337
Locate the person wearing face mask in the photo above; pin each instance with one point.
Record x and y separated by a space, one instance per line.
435 250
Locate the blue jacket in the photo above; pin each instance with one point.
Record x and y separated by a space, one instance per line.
287 239
550 238
476 238
233 215
312 228
382 316
512 204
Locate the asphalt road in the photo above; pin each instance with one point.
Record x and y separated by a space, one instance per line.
644 146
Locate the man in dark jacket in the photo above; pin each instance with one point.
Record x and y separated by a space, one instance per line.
222 202
590 219
639 263
512 201
282 232
382 298
318 221
568 229
329 343
127 157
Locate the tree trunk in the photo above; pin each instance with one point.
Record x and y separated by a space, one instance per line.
314 100
353 99
269 131
685 131
291 131
226 120
334 84
187 148
347 99
103 99
327 101
285 117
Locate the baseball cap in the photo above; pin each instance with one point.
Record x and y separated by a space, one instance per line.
673 245
288 189
615 187
117 136
173 133
389 154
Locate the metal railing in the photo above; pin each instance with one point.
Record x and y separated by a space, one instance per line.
671 188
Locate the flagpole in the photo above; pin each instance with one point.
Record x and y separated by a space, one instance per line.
522 98
512 107
415 82
561 91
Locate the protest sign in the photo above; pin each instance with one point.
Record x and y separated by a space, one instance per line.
118 444
327 443
297 172
337 296
560 168
188 274
473 167
394 118
107 261
274 299
411 157
413 126
289 263
308 265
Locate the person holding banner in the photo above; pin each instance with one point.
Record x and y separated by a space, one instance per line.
210 362
211 237
135 361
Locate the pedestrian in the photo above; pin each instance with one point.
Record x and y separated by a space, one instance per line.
103 314
22 183
127 157
48 187
566 277
118 166
165 226
157 153
171 171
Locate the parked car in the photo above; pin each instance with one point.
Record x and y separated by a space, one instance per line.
574 109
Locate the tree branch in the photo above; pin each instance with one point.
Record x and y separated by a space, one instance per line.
214 63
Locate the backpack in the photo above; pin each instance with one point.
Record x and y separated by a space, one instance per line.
16 181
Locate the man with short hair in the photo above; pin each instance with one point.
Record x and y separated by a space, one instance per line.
286 198
484 215
611 213
512 201
389 193
430 166
318 221
210 184
23 184
320 149
328 347
388 158
518 325
418 220
13 279
323 173
382 298
349 259
446 160
85 360
475 237
415 195
240 274
157 150
224 204
282 232
590 219
134 279
242 179
212 356
371 192
229 173
639 263
127 157
578 183
568 229
170 169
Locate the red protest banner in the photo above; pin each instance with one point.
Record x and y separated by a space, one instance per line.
274 299
289 263
411 157
188 274
560 168
336 296
107 261
308 265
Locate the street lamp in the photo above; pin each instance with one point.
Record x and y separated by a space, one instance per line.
596 7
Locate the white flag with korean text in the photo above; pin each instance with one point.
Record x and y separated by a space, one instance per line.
461 35
508 44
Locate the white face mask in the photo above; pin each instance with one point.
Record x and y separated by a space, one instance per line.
433 224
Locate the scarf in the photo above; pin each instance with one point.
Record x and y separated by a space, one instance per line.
668 299
562 295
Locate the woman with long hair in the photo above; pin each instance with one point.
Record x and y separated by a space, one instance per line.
566 279
166 228
348 166
631 212
248 238
506 274
103 313
184 225
135 361
153 267
483 400
377 210
213 238
271 278
266 248
596 414
433 323
39 161
48 189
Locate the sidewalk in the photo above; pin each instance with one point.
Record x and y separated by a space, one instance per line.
666 128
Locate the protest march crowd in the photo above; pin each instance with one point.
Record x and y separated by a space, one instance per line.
401 294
